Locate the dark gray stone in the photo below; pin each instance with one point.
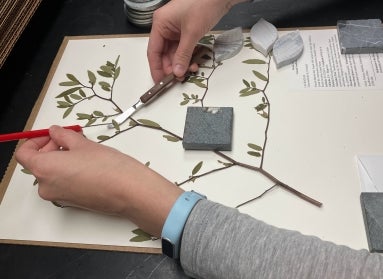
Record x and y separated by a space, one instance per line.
208 128
372 208
360 36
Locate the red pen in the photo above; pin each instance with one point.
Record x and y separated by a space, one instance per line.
34 133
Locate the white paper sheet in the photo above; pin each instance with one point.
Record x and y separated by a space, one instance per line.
370 169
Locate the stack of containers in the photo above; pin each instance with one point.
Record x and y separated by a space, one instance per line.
140 12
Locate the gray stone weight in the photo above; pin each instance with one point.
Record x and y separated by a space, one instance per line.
360 36
372 208
208 128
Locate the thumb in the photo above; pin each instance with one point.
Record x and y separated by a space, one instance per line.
182 57
65 138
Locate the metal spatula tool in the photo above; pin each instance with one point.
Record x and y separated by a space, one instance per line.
199 57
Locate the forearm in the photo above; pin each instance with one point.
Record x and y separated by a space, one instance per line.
219 242
234 2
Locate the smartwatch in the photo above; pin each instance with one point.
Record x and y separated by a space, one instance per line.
175 222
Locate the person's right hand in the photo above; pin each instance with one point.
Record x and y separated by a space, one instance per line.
92 176
177 28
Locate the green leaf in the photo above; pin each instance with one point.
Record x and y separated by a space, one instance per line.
68 99
104 84
186 96
245 90
132 123
140 236
72 77
117 59
92 77
253 84
197 168
62 104
105 88
254 153
98 113
68 92
264 114
206 40
200 84
82 93
171 138
26 171
259 75
261 107
68 111
225 164
104 74
251 92
90 122
117 73
254 61
68 83
116 125
103 138
254 146
147 163
184 102
140 232
246 83
106 69
82 116
149 123
75 97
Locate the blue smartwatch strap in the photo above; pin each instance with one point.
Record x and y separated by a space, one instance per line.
176 220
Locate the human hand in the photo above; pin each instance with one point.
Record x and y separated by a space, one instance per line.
92 176
177 27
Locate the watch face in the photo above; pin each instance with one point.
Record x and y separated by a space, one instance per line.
167 247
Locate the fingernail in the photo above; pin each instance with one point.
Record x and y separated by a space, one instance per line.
179 70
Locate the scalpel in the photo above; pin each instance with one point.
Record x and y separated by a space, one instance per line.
198 57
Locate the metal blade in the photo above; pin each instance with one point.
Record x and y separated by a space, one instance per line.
157 89
126 114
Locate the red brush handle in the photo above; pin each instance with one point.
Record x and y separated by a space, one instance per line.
33 134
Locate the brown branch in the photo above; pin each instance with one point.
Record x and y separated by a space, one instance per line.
268 113
208 78
271 178
156 128
193 177
257 197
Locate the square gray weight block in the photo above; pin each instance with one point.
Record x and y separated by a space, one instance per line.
372 208
360 36
208 128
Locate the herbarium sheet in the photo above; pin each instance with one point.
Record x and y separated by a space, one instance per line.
297 130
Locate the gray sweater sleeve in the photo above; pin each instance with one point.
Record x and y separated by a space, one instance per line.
220 242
